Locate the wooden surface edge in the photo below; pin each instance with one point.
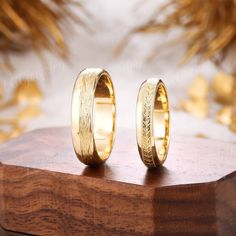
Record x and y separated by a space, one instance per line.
225 197
31 199
48 192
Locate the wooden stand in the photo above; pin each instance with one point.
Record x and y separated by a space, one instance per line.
45 190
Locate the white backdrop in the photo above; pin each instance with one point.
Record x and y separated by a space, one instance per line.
110 21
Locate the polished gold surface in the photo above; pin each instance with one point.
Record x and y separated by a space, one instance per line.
153 122
93 116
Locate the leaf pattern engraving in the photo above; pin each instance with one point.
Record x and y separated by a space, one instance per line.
87 84
147 155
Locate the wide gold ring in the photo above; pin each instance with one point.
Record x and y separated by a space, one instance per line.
152 123
93 116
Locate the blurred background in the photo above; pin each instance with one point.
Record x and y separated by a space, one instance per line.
190 45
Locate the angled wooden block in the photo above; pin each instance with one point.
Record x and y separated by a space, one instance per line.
45 190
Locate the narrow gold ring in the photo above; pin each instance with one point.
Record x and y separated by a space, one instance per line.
152 122
93 116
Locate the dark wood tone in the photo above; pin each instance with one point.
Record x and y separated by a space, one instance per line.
10 233
45 190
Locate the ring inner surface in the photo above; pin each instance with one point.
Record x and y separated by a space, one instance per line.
104 116
161 122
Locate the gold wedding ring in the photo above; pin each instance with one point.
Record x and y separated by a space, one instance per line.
93 116
153 123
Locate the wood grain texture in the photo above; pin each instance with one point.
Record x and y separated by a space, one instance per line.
45 190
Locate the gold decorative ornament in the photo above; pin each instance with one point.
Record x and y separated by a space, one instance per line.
93 115
200 135
28 113
198 108
9 128
199 88
223 86
25 101
224 115
207 28
197 102
36 25
232 125
27 92
152 123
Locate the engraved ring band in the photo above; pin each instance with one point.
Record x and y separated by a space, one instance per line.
152 123
93 114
